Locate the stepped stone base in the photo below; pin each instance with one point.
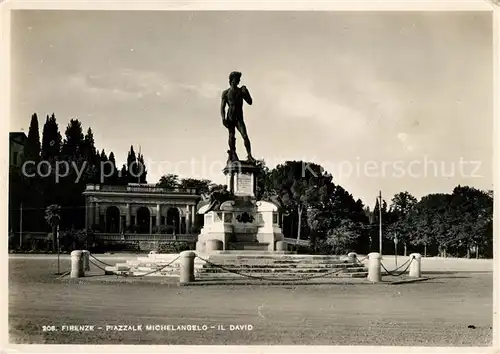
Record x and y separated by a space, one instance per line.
248 246
275 265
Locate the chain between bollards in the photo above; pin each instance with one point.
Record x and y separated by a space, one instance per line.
80 262
413 264
392 272
106 264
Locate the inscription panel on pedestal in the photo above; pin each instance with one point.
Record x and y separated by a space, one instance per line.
244 184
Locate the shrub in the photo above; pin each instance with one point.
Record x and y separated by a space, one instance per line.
99 246
30 243
340 240
173 247
72 239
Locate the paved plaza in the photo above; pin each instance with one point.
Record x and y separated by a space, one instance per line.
451 308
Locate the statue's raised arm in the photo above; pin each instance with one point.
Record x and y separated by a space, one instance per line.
246 95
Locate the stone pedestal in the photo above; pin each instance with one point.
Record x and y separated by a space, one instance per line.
242 221
240 178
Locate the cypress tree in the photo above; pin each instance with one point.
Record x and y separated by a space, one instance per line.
114 178
132 166
73 143
103 158
32 145
89 149
51 139
91 158
123 176
141 168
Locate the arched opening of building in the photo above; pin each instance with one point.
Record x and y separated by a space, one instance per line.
112 219
143 216
173 220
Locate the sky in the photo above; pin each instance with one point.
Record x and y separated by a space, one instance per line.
390 101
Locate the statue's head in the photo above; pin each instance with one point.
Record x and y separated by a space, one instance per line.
234 78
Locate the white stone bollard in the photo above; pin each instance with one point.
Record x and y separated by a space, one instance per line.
86 260
374 261
352 256
415 266
186 267
77 264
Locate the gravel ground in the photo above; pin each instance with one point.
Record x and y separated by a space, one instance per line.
437 312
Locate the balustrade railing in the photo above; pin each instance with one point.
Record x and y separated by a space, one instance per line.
139 189
145 237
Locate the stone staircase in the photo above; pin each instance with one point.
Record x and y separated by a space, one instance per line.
248 246
224 265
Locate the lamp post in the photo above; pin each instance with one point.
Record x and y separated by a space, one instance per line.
21 226
58 250
396 249
380 222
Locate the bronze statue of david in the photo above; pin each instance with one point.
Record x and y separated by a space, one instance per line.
233 98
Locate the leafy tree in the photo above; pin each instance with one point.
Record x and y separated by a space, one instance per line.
202 186
169 181
343 206
428 222
460 220
336 210
402 204
300 185
471 216
264 188
215 187
343 238
72 148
